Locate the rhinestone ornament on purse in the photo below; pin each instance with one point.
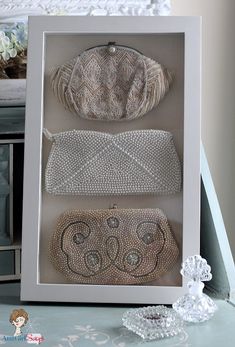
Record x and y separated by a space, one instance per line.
110 82
113 246
95 163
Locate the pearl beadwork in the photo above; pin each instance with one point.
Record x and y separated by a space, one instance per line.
113 83
94 163
113 246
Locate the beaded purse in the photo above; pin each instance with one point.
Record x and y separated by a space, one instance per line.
110 82
113 246
95 163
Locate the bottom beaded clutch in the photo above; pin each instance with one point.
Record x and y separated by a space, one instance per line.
113 246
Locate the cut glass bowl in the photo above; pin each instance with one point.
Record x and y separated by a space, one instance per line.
153 322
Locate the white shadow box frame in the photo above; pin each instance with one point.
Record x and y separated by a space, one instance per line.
176 43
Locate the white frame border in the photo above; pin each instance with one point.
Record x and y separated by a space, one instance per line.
31 289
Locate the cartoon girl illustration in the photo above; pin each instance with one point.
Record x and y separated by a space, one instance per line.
18 318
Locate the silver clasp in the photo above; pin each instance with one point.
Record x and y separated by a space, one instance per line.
112 48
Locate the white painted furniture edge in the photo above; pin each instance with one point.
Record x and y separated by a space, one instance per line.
31 289
219 227
19 10
12 92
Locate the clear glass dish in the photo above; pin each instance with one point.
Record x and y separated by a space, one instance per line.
153 322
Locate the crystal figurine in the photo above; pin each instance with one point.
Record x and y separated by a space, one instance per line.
195 306
153 322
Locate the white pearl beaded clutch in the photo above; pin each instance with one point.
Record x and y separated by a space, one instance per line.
113 246
95 163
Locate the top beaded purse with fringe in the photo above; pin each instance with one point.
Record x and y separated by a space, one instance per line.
110 82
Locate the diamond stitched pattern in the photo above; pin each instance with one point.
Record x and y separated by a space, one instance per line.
99 86
94 163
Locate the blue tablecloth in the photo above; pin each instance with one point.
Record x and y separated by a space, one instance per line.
72 325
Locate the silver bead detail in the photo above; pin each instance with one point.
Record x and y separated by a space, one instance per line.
132 259
148 238
78 238
92 259
113 222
